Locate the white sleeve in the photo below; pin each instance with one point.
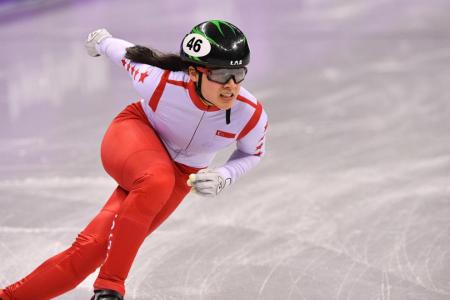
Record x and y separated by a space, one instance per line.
145 77
238 164
250 149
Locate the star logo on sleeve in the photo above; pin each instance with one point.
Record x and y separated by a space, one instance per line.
143 76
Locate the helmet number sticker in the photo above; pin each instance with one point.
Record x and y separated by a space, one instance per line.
196 45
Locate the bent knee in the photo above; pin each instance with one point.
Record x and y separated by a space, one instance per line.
152 190
161 177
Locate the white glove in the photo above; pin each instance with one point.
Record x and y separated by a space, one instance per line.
95 37
208 182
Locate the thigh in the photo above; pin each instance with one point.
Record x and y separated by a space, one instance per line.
131 148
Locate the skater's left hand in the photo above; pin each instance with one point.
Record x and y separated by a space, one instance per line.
208 182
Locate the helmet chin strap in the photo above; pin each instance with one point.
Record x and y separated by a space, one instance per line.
198 88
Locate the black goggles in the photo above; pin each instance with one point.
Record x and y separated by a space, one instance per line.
222 76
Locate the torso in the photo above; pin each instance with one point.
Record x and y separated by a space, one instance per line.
192 131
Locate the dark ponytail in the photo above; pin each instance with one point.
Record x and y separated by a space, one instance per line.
144 55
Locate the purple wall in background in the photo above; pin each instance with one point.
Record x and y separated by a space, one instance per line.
13 10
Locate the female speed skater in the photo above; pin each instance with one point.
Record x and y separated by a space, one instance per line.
157 150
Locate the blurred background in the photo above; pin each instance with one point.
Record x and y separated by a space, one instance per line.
352 200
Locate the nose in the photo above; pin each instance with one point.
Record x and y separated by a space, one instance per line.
231 82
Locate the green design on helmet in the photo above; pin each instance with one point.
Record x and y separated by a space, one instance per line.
216 44
198 31
196 59
218 23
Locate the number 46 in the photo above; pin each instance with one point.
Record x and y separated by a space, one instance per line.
194 44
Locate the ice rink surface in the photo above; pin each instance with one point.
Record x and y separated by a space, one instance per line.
352 200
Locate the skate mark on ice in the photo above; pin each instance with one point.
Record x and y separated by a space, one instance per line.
6 229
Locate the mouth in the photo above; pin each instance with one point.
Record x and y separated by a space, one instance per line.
227 96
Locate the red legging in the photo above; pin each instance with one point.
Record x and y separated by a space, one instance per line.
150 187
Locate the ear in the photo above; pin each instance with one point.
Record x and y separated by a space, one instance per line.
193 74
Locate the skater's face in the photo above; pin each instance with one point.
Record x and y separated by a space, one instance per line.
222 95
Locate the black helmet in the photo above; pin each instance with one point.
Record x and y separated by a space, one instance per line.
216 44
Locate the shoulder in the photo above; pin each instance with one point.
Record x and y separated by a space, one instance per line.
178 76
245 97
170 78
246 101
251 110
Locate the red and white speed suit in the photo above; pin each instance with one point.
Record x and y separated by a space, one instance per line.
150 148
